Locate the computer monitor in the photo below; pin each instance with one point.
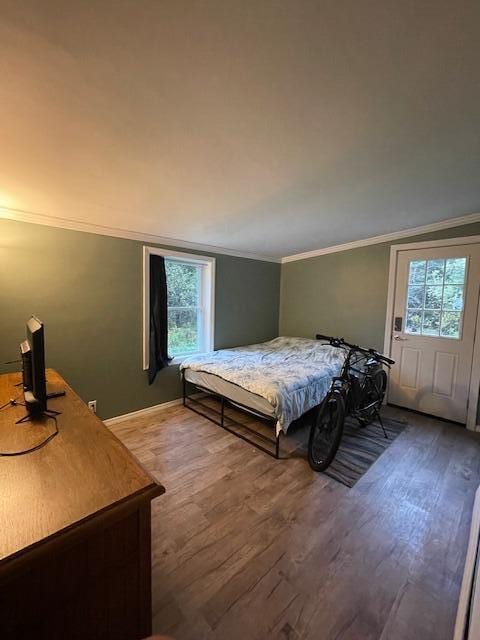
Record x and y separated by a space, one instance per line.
34 377
36 398
26 365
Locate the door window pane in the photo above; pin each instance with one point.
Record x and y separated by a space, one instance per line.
417 271
431 323
435 271
414 321
453 297
451 324
415 297
455 270
435 297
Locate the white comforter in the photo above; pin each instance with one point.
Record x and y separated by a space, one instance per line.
293 374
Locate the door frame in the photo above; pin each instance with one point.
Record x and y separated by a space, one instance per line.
474 389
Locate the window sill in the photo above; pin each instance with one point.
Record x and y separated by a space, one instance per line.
181 358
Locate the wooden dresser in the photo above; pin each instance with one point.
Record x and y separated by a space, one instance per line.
74 526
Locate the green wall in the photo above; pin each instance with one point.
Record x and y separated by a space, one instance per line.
87 289
345 293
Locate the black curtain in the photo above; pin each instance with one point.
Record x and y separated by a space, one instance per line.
158 353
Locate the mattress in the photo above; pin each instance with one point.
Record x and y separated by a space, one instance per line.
231 391
292 375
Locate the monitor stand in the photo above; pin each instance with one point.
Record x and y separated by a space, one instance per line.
56 394
48 413
34 414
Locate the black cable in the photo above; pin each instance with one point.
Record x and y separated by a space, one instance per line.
36 447
9 362
13 402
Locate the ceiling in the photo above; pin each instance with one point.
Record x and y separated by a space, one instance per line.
269 126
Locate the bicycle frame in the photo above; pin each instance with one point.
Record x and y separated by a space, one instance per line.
353 387
358 391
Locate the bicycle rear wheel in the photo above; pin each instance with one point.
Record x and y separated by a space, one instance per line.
373 393
326 432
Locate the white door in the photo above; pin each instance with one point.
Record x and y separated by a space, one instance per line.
435 312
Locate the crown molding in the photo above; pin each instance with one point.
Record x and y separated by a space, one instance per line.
87 227
127 234
388 237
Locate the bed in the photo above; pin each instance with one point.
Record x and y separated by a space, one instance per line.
279 381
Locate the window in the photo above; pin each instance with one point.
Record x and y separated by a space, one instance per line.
435 297
190 285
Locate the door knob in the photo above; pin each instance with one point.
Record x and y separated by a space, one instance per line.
399 338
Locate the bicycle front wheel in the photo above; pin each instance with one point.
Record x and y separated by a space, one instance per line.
326 432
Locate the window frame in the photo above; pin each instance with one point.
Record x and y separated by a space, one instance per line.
443 285
207 302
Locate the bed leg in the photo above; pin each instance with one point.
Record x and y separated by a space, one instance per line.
222 404
184 387
277 446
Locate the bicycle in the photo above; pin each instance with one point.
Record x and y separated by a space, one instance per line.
358 391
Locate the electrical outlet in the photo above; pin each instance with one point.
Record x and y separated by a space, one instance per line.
92 405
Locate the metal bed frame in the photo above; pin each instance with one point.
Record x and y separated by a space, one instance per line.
189 402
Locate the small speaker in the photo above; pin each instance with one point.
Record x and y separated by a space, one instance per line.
26 365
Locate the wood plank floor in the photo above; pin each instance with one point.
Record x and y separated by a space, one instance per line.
248 547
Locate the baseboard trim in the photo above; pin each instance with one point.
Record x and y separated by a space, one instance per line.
147 410
143 412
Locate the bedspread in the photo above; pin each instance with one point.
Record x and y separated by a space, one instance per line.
293 374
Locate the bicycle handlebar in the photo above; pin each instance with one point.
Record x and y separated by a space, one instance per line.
340 342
